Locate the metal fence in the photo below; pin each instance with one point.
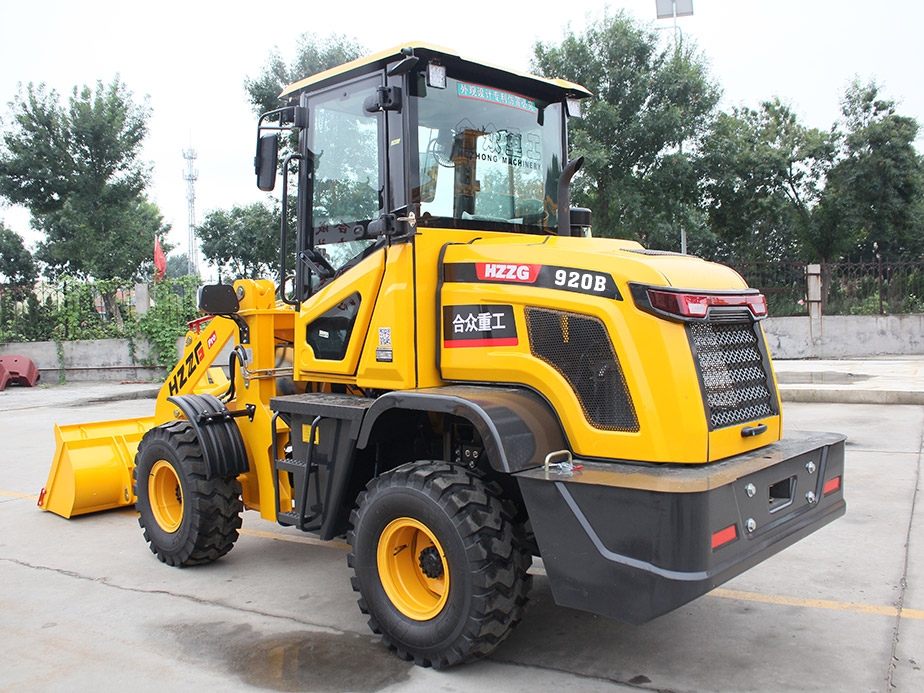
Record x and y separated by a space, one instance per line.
883 288
847 288
783 283
73 309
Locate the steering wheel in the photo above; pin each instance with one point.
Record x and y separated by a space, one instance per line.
436 149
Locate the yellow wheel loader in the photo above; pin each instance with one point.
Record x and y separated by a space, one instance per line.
474 379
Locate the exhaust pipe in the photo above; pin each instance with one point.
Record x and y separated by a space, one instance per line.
564 195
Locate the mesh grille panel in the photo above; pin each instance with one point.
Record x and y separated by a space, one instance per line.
735 385
578 347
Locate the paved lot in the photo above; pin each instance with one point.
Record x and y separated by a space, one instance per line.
85 606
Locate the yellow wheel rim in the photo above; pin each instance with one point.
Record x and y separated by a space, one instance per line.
413 569
166 496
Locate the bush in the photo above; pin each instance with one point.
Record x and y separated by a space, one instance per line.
72 309
174 306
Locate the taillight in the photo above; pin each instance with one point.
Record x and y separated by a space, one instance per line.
687 305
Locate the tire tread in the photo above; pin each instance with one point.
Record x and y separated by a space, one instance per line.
496 547
216 504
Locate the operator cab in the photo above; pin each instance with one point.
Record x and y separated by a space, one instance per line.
418 137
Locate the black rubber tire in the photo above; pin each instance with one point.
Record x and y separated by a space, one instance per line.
485 553
208 510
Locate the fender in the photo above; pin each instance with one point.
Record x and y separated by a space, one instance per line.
219 437
518 427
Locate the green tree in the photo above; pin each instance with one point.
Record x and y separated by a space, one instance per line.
17 268
241 242
177 266
102 238
314 54
875 192
640 130
90 148
77 169
763 176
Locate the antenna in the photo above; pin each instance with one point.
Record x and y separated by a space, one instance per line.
190 175
671 9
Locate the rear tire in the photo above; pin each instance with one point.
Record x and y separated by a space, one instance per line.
439 564
187 519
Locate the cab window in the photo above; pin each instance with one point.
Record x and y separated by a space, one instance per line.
346 181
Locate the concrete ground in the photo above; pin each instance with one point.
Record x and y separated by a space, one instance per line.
84 605
883 380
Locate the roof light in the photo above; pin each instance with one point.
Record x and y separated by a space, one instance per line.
436 75
574 108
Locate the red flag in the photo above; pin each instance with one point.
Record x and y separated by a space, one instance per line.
160 262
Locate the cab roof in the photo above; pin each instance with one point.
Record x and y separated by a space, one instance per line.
491 75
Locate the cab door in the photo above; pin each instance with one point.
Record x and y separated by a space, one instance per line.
343 184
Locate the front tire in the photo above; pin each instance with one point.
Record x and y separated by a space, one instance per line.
440 566
187 518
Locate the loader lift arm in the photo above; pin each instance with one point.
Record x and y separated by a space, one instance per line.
93 463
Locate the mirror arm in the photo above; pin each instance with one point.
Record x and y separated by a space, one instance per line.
284 232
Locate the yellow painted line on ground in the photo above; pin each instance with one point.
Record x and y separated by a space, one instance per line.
854 607
13 494
780 600
311 541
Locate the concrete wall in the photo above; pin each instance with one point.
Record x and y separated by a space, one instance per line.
844 336
101 359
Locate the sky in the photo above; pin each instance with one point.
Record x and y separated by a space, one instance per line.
191 59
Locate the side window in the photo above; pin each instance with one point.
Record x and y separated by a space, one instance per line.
339 254
344 142
328 335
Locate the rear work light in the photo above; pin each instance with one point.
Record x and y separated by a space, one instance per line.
691 305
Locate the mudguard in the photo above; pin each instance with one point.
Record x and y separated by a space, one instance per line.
517 426
219 437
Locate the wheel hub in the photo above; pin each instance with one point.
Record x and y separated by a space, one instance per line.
166 496
431 563
412 569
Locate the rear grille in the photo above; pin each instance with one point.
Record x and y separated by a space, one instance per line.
578 347
736 384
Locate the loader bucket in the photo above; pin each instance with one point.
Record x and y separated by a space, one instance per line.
92 466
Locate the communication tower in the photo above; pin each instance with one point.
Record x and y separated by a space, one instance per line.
190 175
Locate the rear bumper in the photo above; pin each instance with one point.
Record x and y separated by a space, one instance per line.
634 541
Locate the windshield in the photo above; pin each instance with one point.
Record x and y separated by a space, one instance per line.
489 159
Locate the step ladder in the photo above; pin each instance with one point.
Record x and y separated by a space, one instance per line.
324 428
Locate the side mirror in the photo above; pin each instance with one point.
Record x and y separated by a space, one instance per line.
218 299
580 222
266 161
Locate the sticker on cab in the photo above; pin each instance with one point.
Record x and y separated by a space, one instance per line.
581 281
503 98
